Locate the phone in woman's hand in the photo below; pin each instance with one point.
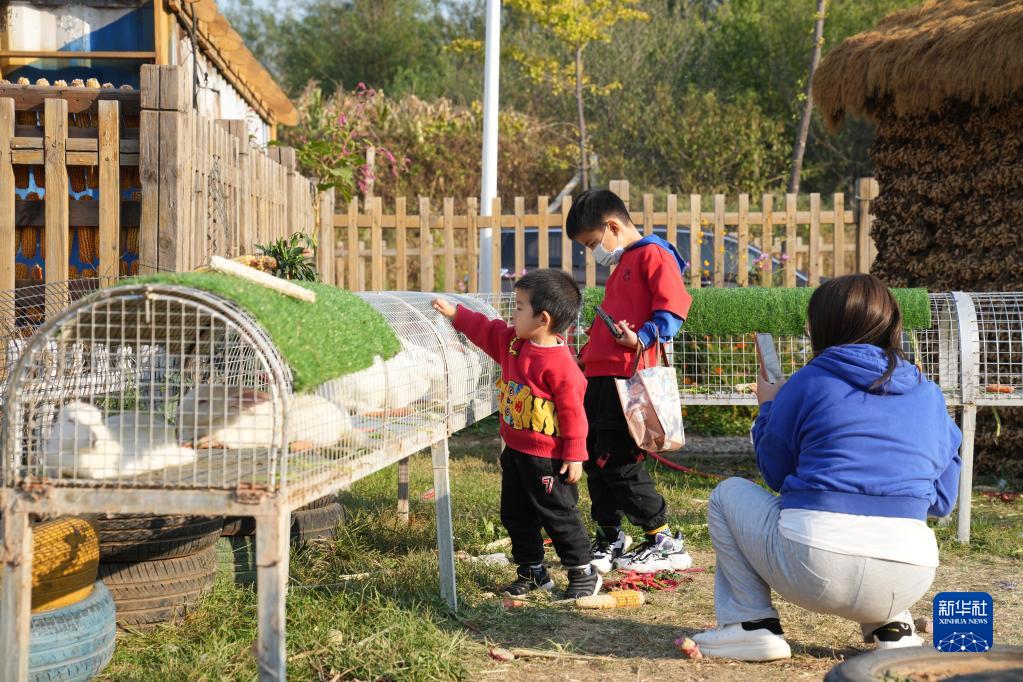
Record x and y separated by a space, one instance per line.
770 365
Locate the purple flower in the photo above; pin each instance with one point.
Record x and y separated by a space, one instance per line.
342 120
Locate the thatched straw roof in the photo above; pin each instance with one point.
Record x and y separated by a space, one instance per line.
915 60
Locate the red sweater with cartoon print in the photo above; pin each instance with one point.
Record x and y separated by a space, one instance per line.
541 390
647 278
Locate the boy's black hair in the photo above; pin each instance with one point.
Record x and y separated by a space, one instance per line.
555 292
592 208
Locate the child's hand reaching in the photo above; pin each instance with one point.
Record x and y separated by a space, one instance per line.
575 471
444 307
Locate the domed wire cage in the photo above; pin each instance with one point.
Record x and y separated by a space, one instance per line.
165 399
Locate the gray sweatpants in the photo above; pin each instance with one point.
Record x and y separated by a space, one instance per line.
753 557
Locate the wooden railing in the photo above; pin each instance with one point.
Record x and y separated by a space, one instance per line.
805 239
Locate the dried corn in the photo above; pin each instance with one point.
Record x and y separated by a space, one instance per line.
612 600
88 238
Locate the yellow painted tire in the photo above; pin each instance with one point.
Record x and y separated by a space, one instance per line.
65 560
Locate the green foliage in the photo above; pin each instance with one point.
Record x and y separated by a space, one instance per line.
337 335
738 311
293 255
719 420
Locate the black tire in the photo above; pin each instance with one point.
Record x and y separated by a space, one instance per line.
236 526
316 523
73 642
871 666
148 538
236 559
150 592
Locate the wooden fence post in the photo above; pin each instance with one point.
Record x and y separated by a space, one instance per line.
719 240
109 190
838 205
695 238
57 237
742 262
240 130
449 244
8 232
866 192
790 240
767 235
401 242
814 266
472 214
353 243
425 246
326 238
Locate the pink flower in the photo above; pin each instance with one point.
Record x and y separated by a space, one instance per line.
342 120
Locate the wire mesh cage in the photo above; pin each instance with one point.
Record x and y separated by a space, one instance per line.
999 324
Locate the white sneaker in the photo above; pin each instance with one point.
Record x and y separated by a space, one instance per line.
662 553
733 641
606 552
895 635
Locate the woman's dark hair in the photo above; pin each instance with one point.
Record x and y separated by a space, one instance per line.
857 309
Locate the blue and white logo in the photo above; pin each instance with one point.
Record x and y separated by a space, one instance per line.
963 621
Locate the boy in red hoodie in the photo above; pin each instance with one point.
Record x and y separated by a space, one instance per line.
543 425
648 298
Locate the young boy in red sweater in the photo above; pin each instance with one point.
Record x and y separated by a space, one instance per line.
648 298
543 425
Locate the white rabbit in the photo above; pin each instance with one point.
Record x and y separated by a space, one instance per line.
314 421
81 445
227 416
148 442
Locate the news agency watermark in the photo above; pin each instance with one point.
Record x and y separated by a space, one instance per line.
964 622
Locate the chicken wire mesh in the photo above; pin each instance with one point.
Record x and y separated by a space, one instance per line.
999 320
161 386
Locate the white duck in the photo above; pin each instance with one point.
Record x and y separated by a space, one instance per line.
148 442
314 421
81 445
227 416
393 384
464 370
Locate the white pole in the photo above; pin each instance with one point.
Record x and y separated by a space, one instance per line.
488 186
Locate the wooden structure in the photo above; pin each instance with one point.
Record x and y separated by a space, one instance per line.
438 248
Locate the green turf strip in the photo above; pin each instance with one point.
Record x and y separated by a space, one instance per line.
736 311
337 335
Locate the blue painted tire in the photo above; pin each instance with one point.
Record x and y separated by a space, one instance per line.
74 642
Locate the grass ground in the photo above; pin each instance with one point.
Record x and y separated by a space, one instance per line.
393 626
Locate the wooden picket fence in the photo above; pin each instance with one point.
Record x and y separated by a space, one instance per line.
103 183
439 249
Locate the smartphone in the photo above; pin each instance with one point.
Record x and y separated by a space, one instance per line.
769 362
611 326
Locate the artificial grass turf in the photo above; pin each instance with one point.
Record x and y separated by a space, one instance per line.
337 335
737 311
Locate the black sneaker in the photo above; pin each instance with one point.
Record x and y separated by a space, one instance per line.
583 582
606 550
529 578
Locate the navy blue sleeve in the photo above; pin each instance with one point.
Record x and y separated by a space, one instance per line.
776 455
664 325
947 485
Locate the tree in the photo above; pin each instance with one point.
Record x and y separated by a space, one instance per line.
799 149
575 24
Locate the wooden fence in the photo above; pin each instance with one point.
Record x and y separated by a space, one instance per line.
439 249
106 183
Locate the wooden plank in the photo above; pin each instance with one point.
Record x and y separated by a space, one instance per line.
425 247
814 256
109 190
742 262
566 243
520 236
542 233
15 594
240 130
626 192
84 213
449 244
149 87
78 100
57 236
671 220
719 240
473 246
175 89
495 245
326 237
353 244
376 237
840 243
695 239
767 243
149 173
790 240
401 241
8 234
648 214
863 197
77 54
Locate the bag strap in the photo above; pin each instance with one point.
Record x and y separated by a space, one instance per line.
662 357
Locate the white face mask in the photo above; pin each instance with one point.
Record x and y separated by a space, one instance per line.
605 257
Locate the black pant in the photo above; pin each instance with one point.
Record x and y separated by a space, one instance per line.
534 496
615 474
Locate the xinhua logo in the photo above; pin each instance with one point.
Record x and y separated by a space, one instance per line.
963 622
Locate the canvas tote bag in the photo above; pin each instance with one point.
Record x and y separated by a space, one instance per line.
652 406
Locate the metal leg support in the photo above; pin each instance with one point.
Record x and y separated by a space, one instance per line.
403 473
272 553
16 597
966 473
445 530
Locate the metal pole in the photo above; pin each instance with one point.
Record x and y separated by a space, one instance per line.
16 595
488 186
445 529
969 352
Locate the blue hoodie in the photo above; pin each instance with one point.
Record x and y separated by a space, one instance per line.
829 443
663 325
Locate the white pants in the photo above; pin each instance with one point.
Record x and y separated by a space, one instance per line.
753 557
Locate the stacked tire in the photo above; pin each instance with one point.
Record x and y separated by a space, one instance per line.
158 568
237 548
72 627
